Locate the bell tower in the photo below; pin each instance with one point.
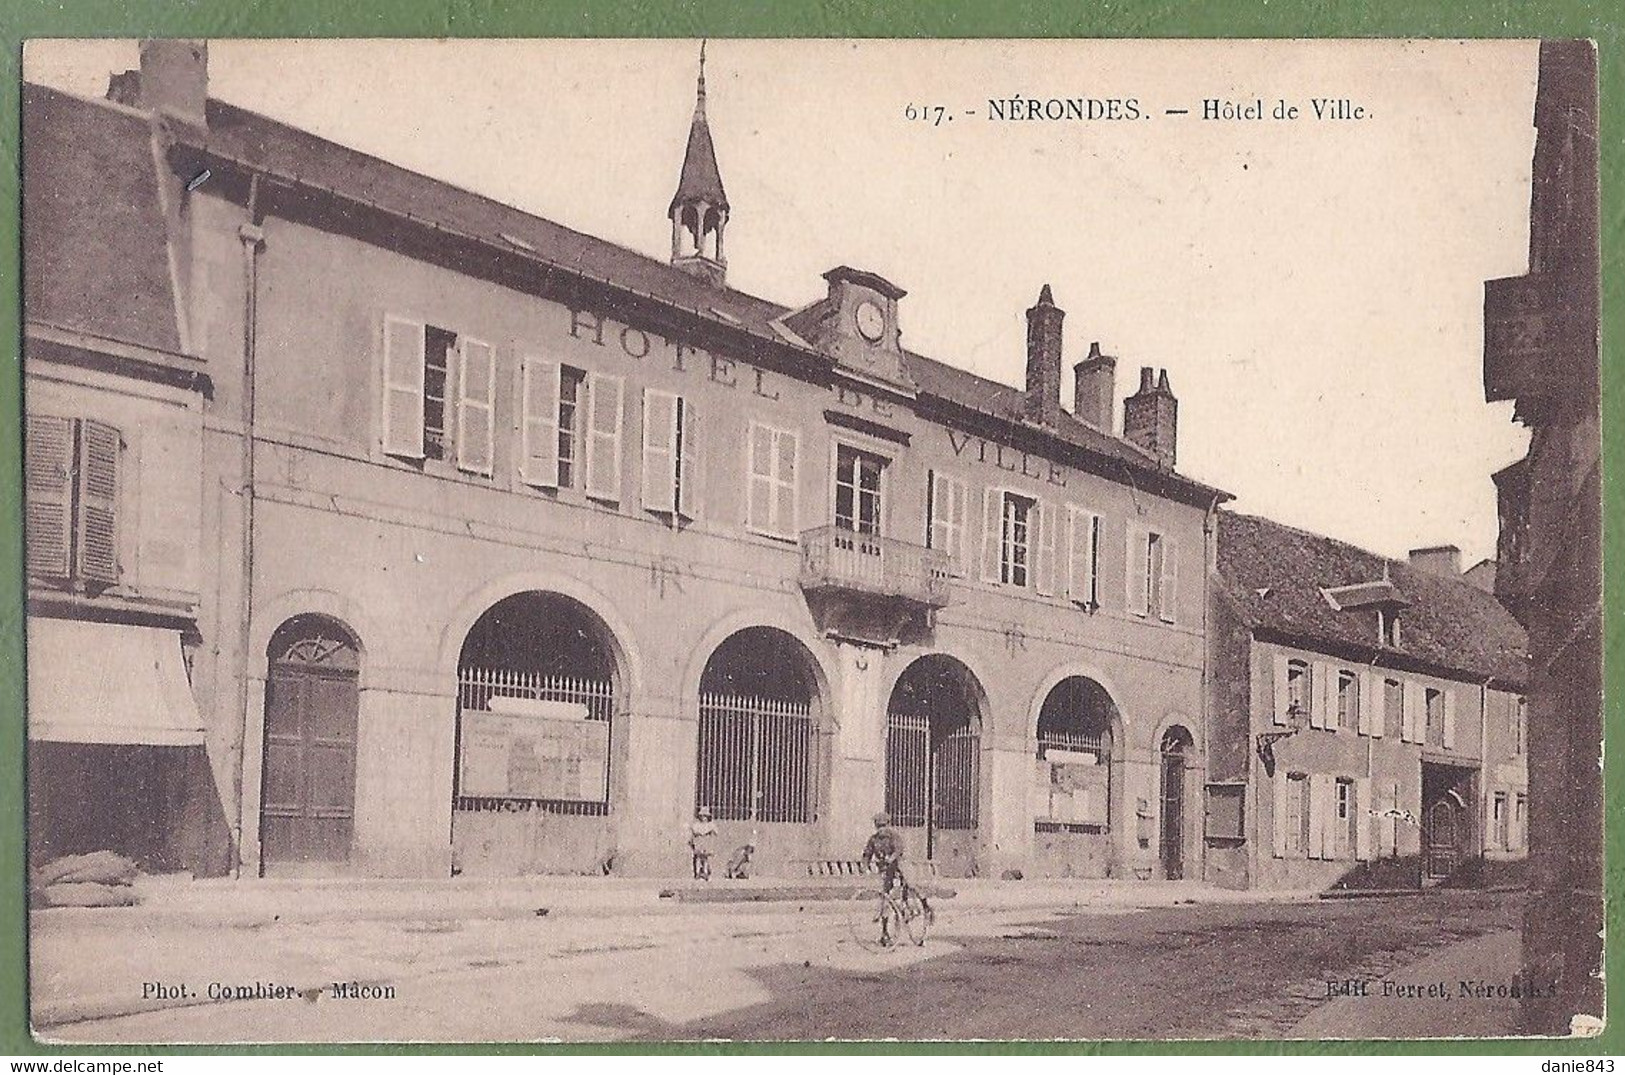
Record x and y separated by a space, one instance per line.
699 209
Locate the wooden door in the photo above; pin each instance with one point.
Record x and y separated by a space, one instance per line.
307 813
1441 837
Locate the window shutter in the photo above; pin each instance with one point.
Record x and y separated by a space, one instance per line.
98 502
604 436
1412 699
1136 557
690 473
992 532
1316 695
1170 579
476 406
1371 714
1363 818
403 387
48 495
1283 788
1283 697
1449 719
1046 517
1320 816
1080 555
539 423
758 476
787 492
659 450
959 517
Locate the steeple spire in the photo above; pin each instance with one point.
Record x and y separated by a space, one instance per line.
699 209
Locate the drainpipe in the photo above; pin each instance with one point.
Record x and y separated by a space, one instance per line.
1210 565
252 236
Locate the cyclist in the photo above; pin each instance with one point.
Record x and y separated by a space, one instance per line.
702 838
885 850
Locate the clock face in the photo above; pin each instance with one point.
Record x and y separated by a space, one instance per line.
871 322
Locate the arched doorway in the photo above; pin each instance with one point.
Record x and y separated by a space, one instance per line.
312 701
760 756
1173 767
537 682
933 759
1073 808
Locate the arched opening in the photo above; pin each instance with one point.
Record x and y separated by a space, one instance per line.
759 757
537 683
312 703
933 757
1073 800
1174 755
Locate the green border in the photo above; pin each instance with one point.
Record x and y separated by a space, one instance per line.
21 19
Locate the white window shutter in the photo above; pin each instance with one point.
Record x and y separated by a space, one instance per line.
992 532
690 470
1371 705
604 409
1283 696
659 450
1449 719
787 492
48 465
1320 816
1170 579
1282 789
940 526
959 515
1315 696
1364 818
99 448
758 476
1046 516
476 406
403 387
539 423
1409 729
1080 554
1136 559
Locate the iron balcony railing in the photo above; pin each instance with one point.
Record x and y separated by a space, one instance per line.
834 558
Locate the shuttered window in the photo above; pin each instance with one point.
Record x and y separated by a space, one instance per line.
539 423
71 500
476 406
1083 557
604 412
671 471
770 481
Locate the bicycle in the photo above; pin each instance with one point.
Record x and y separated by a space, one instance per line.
900 913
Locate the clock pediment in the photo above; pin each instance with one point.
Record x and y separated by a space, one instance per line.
856 324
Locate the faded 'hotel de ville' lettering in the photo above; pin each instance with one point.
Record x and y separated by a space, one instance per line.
426 597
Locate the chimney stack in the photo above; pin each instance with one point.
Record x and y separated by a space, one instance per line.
1442 560
174 80
1044 360
1093 384
1151 417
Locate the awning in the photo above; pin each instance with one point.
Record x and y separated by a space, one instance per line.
109 683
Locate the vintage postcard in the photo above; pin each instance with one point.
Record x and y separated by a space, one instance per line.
663 540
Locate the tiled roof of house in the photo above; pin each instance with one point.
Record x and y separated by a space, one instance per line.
95 246
1276 574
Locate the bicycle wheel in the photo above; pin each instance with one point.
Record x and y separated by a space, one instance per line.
916 918
865 914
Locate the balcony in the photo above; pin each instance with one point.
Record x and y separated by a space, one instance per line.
834 560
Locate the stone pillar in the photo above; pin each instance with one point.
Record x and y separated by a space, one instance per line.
405 751
858 758
1007 814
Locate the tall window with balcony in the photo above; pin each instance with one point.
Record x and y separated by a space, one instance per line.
857 490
